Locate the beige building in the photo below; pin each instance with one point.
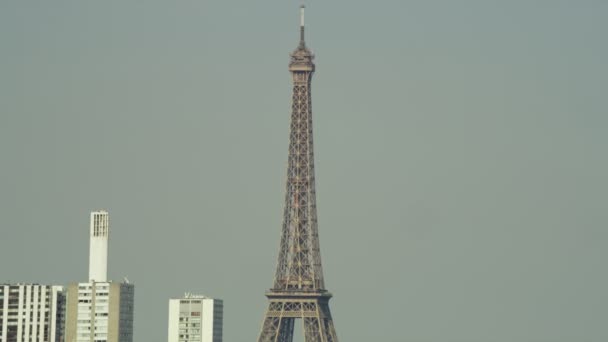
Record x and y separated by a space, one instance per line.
100 312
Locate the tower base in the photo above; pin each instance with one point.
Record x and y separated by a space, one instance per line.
285 307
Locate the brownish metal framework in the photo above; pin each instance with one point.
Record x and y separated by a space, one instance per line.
299 291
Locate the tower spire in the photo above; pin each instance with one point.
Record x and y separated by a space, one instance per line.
302 57
302 8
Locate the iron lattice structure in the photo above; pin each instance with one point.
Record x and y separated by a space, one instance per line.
299 290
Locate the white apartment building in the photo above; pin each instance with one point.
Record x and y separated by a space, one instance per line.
195 318
31 313
99 310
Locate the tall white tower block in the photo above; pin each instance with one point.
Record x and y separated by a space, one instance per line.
98 249
99 310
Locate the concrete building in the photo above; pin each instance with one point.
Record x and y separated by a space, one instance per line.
195 318
31 313
99 310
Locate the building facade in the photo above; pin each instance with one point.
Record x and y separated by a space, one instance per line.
31 313
195 318
99 310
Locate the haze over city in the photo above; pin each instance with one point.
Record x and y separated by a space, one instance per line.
460 155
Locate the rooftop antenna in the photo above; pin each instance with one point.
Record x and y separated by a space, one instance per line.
302 7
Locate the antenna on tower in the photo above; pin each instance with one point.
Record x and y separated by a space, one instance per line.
302 7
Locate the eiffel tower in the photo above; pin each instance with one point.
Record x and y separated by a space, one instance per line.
299 291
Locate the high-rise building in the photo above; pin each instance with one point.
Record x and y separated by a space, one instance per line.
99 310
195 318
31 313
299 291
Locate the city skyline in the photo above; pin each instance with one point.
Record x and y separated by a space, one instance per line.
461 148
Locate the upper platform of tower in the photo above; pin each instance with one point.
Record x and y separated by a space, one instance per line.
302 57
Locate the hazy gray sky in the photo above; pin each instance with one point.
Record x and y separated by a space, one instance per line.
461 158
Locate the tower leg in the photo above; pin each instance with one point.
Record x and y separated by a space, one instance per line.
311 329
320 328
327 324
280 318
330 332
276 328
270 329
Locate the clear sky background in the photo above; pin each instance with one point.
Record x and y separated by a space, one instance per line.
460 146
